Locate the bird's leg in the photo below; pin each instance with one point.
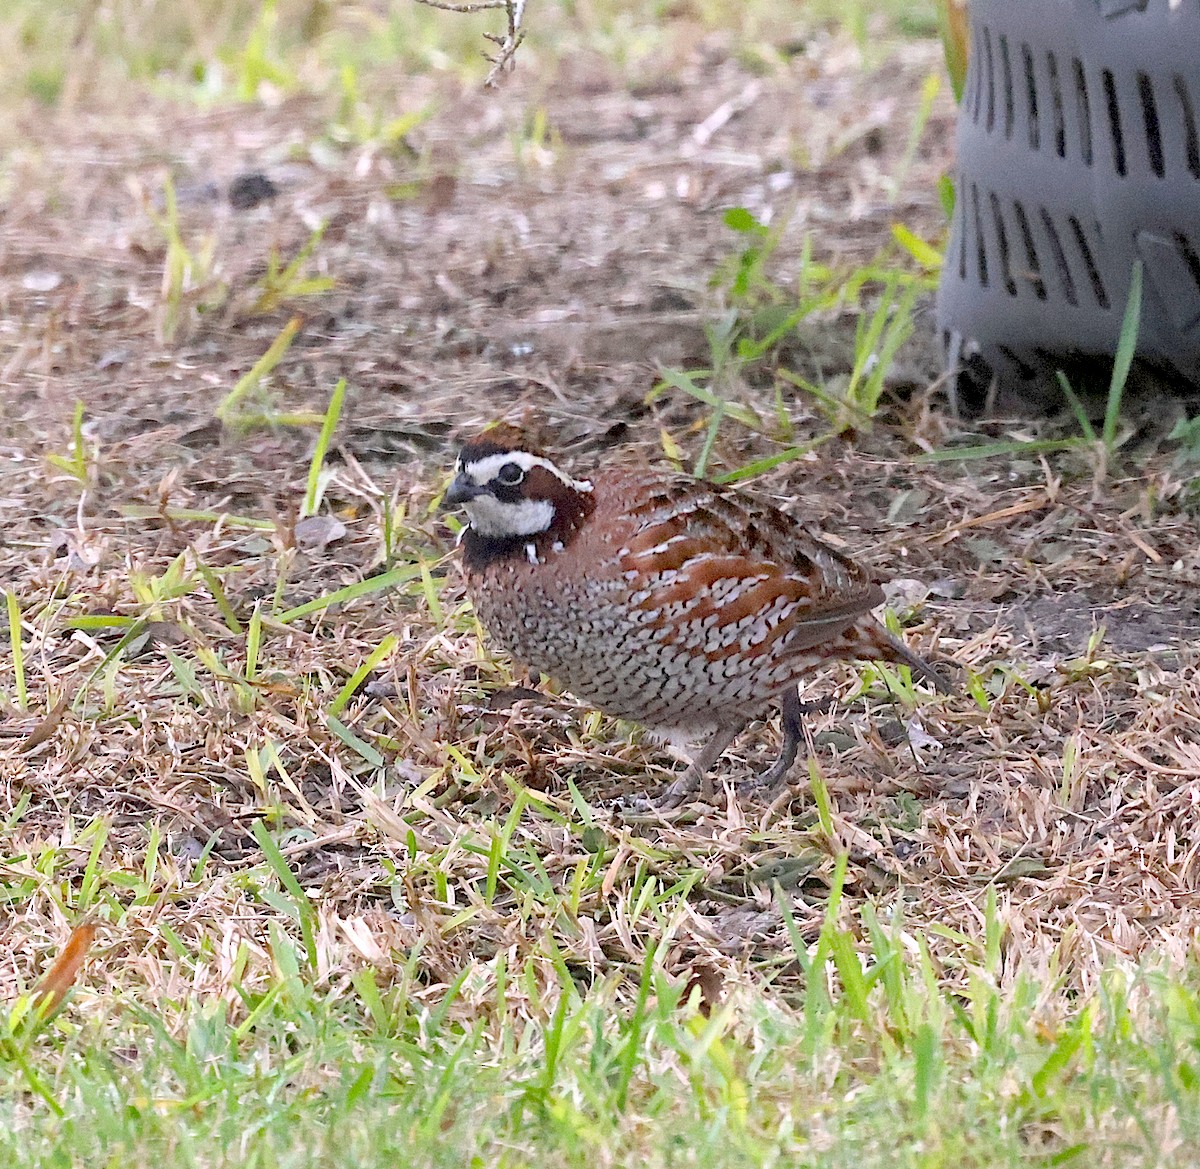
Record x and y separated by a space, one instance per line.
793 733
698 773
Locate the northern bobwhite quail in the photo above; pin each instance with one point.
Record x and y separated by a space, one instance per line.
680 604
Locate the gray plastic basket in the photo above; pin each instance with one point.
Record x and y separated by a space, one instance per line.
1078 153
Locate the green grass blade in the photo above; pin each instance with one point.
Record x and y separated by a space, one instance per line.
710 437
312 494
930 89
432 600
1077 408
991 450
213 581
253 642
362 588
926 1051
820 794
760 466
17 649
850 973
925 254
355 680
99 621
259 370
128 638
360 747
196 515
1126 347
632 1049
305 912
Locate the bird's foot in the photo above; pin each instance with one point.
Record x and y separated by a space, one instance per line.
671 797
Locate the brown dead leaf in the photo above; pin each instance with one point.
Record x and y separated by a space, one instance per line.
711 984
314 532
59 979
46 728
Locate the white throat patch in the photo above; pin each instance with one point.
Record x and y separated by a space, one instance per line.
497 520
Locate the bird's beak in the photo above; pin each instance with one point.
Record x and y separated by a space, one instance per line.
461 491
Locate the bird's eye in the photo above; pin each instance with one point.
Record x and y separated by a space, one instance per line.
511 474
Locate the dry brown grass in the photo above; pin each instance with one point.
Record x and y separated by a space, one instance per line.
484 272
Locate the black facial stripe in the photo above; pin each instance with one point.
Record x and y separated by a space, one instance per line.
506 492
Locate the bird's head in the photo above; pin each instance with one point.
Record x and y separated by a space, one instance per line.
513 493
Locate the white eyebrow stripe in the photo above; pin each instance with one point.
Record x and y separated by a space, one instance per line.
481 472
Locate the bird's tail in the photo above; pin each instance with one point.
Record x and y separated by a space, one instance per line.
892 649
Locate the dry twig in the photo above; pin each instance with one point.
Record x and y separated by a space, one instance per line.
508 43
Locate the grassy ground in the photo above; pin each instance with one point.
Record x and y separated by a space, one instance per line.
352 890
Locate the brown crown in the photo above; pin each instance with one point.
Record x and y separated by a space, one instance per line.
499 439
